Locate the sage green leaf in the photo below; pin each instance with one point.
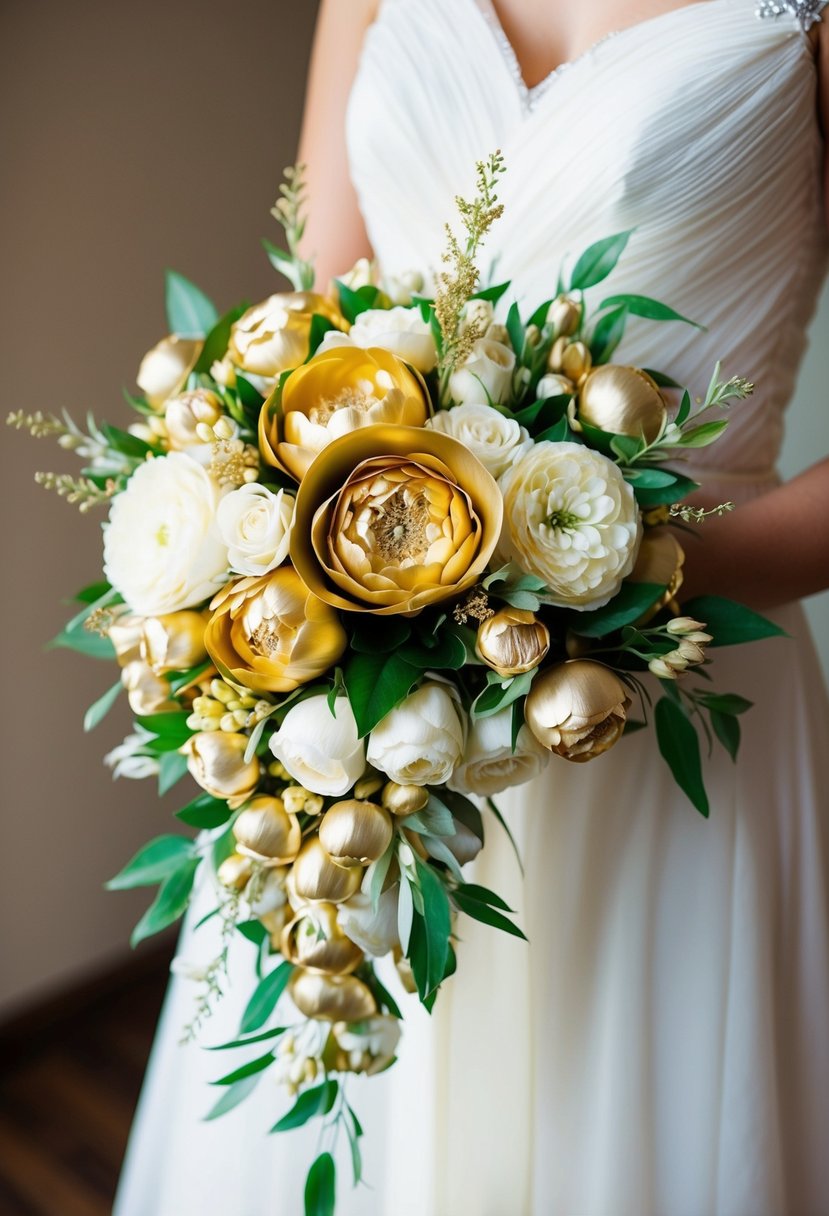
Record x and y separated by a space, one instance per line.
484 896
169 904
171 768
179 679
496 697
680 488
321 1187
627 606
125 443
232 1096
153 863
730 623
375 684
679 746
649 479
727 729
609 331
265 996
74 635
100 708
205 811
487 915
247 1070
627 447
598 261
700 436
171 727
190 314
249 1039
724 702
311 1102
435 820
652 310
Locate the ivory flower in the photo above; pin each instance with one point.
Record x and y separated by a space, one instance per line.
338 391
185 412
374 931
162 550
399 330
489 764
571 520
255 524
216 760
165 368
274 335
497 441
397 518
421 741
369 1044
485 375
512 641
320 749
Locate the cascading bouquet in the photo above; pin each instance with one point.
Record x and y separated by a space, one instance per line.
370 554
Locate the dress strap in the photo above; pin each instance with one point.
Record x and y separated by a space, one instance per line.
805 12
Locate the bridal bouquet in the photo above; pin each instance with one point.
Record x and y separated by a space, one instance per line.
371 558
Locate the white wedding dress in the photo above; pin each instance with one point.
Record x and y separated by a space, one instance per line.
661 1048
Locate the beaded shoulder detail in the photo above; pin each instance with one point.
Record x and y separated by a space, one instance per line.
805 12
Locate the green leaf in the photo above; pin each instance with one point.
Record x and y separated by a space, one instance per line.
253 931
171 730
354 1145
626 447
205 811
649 479
321 1187
487 915
463 810
153 863
320 326
276 256
125 443
484 896
311 1102
171 768
100 708
544 413
644 306
429 958
493 294
249 1039
376 683
74 635
730 623
448 654
190 314
515 329
169 904
215 344
684 408
379 635
506 828
700 436
496 696
609 331
724 702
598 261
232 1096
377 872
627 606
539 317
92 593
247 1070
679 746
727 729
352 303
559 433
180 679
263 1002
249 396
680 488
660 378
435 820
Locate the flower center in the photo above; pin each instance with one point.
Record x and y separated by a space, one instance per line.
162 535
399 526
563 519
347 398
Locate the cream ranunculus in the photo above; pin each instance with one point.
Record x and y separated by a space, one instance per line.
162 550
184 413
484 376
165 368
490 764
319 749
421 741
400 330
571 520
255 524
274 336
340 390
497 441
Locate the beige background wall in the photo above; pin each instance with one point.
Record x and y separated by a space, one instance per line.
134 137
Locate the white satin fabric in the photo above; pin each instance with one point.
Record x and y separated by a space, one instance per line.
661 1046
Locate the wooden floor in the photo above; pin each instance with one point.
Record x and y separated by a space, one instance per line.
69 1080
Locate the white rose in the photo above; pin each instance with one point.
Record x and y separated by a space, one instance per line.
375 932
572 520
162 550
400 330
497 441
490 765
319 749
484 376
255 524
421 741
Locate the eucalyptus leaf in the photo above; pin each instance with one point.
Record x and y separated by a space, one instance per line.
435 820
190 314
99 709
153 862
247 1070
171 768
679 745
265 997
438 849
311 1102
169 904
232 1096
598 261
484 913
376 874
250 1039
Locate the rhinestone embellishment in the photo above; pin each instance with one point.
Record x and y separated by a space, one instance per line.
805 12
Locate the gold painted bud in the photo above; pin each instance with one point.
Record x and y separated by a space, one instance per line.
512 641
316 877
555 358
333 998
125 633
576 361
216 760
185 413
147 693
622 401
314 939
174 641
659 561
564 314
404 970
165 368
235 872
266 832
577 709
404 799
367 787
355 831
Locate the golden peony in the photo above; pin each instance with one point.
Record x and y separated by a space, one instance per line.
623 401
659 561
512 641
272 634
392 518
577 709
338 391
274 336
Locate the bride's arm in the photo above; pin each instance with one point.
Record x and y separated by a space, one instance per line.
775 548
335 236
